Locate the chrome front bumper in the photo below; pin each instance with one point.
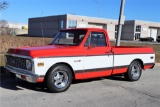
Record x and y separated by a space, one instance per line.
27 76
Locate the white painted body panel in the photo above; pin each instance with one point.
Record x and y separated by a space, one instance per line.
90 62
121 60
49 62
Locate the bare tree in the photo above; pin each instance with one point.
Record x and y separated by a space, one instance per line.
3 24
3 5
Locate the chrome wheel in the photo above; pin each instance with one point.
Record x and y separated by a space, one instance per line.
60 79
135 71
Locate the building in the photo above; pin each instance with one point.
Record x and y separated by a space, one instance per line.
16 25
131 30
135 29
50 25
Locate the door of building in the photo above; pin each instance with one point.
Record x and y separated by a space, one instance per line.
152 32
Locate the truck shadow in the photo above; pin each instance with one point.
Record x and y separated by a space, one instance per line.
7 82
114 77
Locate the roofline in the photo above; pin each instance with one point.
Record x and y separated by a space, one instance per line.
83 29
143 21
93 17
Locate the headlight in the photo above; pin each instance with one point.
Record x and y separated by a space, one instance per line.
28 64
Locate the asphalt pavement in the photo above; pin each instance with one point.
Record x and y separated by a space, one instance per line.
103 92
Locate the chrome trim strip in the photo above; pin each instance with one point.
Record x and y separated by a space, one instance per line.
30 77
19 69
19 56
107 54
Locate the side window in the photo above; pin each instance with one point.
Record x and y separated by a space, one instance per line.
96 38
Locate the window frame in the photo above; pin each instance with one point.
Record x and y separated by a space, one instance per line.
89 38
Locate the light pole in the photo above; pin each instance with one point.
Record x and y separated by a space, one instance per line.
120 23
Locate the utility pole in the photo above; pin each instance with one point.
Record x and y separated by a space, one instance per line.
120 23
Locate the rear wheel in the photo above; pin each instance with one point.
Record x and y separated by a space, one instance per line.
59 78
134 71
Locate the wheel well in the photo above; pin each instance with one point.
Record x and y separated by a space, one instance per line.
63 63
140 61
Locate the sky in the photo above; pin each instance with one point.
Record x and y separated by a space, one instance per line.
19 11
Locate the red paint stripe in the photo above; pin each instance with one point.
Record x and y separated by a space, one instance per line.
147 66
96 74
119 70
103 73
93 74
40 79
78 76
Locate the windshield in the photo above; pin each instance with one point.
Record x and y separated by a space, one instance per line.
69 37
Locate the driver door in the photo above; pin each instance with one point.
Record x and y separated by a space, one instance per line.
98 59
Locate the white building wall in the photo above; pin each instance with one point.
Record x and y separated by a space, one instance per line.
111 31
16 25
92 22
129 29
144 31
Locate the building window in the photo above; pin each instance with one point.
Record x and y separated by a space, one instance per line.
62 24
138 28
137 36
115 35
116 29
72 24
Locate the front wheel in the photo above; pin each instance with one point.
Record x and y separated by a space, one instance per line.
59 78
134 71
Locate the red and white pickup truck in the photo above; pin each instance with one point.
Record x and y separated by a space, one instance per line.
80 53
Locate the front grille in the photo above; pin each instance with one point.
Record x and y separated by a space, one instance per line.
16 62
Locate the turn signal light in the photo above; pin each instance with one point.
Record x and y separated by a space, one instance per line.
40 64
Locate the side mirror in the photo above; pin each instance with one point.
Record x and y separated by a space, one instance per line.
91 46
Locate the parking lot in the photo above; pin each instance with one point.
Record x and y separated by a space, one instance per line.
104 92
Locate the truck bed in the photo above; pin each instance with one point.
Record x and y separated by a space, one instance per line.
132 50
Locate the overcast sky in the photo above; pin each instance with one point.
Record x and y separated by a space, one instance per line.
20 10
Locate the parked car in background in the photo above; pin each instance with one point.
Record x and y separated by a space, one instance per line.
158 39
149 39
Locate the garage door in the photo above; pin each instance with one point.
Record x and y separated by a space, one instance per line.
152 32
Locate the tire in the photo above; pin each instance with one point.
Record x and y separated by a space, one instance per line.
59 78
134 71
12 75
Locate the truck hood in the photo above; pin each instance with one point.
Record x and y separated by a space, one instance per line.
44 51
